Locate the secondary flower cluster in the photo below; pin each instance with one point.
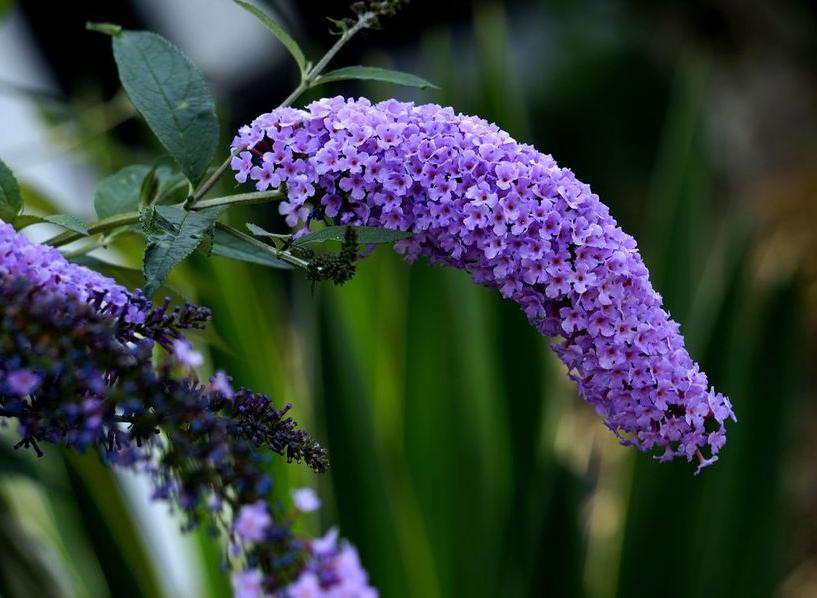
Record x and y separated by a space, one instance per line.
477 200
332 569
77 369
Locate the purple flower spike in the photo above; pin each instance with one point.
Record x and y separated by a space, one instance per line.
477 200
333 569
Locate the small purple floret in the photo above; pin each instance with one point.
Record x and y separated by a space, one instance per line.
306 500
22 382
253 521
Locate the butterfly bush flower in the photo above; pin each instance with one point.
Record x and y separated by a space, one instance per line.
333 569
77 369
477 200
248 584
306 500
184 353
253 521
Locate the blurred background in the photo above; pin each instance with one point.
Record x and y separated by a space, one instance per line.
464 465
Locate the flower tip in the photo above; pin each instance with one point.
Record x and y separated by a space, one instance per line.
306 500
184 353
703 462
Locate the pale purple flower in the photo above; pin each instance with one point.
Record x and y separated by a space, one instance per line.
506 173
333 570
306 500
293 212
248 584
299 189
220 384
265 176
253 521
23 382
306 586
248 137
185 355
326 544
47 267
242 165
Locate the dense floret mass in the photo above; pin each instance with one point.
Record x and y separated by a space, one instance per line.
333 569
477 200
47 270
77 369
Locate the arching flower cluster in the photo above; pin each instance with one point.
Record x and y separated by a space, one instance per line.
477 200
77 369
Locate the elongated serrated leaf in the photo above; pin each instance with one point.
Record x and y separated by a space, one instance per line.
119 193
277 31
366 235
257 230
227 245
261 232
374 73
66 221
172 97
183 232
11 202
24 220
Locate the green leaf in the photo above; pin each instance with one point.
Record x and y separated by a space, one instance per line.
227 245
148 188
261 232
24 220
258 231
173 186
10 200
366 235
162 185
374 73
120 192
278 32
172 97
181 233
66 221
